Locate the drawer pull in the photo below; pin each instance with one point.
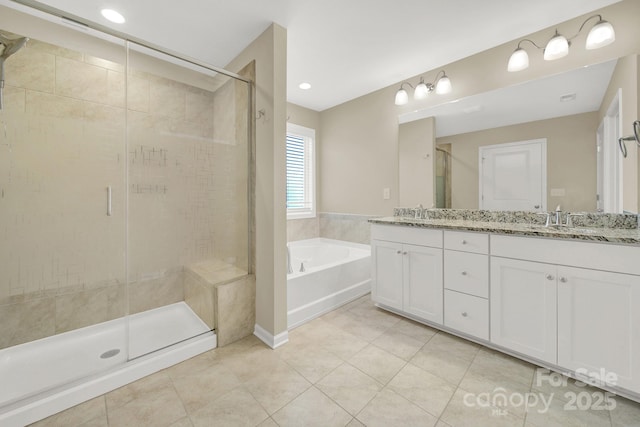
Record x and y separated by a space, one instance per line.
464 314
550 277
563 279
464 273
464 242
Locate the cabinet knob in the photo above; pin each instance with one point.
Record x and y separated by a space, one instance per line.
550 277
464 242
464 314
404 253
399 252
464 273
563 279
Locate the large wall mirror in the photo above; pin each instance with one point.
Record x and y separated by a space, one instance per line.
567 125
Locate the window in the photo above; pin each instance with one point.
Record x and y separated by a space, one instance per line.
301 189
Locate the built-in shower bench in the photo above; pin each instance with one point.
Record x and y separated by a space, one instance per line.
223 296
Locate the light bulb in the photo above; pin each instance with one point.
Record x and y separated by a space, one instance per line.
421 91
601 34
443 86
402 97
558 47
518 61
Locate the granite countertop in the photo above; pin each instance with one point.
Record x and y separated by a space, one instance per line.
596 234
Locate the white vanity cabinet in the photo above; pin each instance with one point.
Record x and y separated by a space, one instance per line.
524 307
466 283
387 273
569 305
599 324
572 304
407 272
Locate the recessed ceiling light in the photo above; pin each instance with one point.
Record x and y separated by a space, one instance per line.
305 86
113 16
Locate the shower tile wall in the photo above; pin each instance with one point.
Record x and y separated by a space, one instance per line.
302 229
61 256
348 227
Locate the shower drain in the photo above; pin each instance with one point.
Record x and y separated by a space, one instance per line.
109 353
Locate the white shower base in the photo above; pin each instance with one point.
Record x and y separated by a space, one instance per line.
32 373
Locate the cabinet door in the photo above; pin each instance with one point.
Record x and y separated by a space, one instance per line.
599 324
523 307
386 286
423 282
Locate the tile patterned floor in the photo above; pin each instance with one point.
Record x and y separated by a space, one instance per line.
356 366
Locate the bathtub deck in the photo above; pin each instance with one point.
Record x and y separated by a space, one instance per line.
40 366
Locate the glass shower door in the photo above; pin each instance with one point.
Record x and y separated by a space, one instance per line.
62 207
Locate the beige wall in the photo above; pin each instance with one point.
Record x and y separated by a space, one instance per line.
571 159
625 78
416 163
304 117
269 51
359 155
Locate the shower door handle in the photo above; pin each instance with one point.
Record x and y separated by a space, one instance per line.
109 200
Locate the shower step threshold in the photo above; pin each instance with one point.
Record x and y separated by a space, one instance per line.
65 368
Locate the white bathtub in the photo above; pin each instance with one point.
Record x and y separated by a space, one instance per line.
335 272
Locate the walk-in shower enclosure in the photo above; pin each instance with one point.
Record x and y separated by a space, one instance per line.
121 167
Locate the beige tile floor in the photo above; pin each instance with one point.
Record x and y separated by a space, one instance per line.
355 366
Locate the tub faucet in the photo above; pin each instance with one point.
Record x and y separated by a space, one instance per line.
302 270
289 268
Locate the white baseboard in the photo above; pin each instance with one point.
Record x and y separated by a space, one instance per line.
308 312
269 339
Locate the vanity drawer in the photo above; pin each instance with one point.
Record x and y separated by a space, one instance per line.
410 235
466 241
467 314
466 272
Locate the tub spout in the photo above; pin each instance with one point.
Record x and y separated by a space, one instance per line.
289 268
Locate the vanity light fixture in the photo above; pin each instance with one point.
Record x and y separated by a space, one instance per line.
601 34
441 84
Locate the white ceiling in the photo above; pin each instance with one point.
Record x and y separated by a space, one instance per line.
535 100
344 48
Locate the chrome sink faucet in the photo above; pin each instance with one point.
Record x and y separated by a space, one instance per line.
557 221
558 217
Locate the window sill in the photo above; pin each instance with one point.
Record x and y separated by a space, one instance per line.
301 215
